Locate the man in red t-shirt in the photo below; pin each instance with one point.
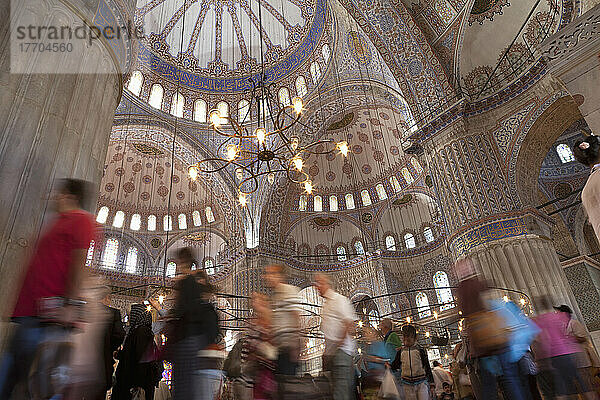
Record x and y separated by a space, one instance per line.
54 271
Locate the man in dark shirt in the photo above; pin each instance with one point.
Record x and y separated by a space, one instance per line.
54 272
114 335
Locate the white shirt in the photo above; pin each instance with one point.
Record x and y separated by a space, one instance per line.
440 375
336 314
590 198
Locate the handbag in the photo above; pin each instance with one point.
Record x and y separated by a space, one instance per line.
488 331
388 388
138 393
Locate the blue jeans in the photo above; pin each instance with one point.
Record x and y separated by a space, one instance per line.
207 383
16 361
498 369
342 376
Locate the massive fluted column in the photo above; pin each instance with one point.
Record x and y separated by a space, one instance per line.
509 245
51 126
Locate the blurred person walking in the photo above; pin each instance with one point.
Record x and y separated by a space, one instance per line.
262 353
440 376
114 335
460 375
338 324
54 274
137 368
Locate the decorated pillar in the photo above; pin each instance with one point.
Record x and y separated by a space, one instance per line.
510 245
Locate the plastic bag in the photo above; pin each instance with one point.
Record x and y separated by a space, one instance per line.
388 388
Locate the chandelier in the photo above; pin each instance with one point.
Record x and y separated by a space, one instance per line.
265 146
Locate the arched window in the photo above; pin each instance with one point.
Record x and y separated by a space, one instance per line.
395 184
210 217
374 318
90 254
196 218
167 223
390 243
409 241
223 108
318 204
315 72
333 203
442 291
301 89
349 201
171 270
428 234
381 193
135 83
341 253
136 222
119 219
423 305
407 176
326 51
209 266
243 111
182 221
151 222
200 110
365 197
417 165
131 262
102 215
110 254
284 97
156 96
302 203
177 105
565 153
359 247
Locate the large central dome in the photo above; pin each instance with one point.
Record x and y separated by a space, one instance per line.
216 45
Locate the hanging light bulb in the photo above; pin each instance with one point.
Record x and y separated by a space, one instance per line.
148 308
239 173
261 134
242 199
215 118
505 298
298 163
297 104
408 319
231 152
294 142
308 187
193 172
271 177
343 148
161 299
427 334
522 301
435 315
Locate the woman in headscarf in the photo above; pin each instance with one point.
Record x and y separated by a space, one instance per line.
137 367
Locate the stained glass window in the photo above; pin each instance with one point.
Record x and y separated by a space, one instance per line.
407 176
315 72
209 266
156 96
167 373
90 254
171 269
302 203
177 105
200 110
333 203
151 222
409 241
365 197
341 253
358 246
381 193
301 89
374 318
417 165
326 51
136 222
565 153
210 217
119 219
135 83
442 291
318 203
428 234
102 215
423 305
395 184
390 243
349 201
284 97
131 262
110 254
167 223
196 218
182 221
243 110
223 108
